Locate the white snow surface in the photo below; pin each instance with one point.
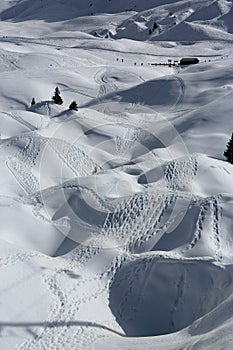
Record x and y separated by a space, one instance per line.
116 220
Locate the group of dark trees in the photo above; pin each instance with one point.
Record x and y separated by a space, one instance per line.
154 27
229 150
56 98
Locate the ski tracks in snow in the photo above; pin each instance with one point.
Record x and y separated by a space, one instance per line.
180 173
132 135
181 93
139 209
133 222
215 216
14 259
22 163
178 300
76 159
209 210
20 120
105 82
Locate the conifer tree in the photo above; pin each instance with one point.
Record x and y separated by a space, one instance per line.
155 26
56 97
33 101
73 106
229 150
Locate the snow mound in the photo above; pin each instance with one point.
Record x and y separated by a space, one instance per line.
47 108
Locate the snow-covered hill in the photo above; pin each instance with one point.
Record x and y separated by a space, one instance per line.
116 219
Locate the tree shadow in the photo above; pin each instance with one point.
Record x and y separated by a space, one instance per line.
29 325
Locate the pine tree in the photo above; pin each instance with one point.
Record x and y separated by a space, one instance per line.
229 150
33 101
73 106
57 98
155 26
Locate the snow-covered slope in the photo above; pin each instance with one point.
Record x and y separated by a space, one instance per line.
116 219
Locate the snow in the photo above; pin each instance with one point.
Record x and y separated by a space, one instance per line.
116 219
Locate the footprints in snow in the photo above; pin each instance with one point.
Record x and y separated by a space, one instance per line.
32 148
180 173
209 210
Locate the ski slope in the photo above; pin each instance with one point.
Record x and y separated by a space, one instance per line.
116 219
